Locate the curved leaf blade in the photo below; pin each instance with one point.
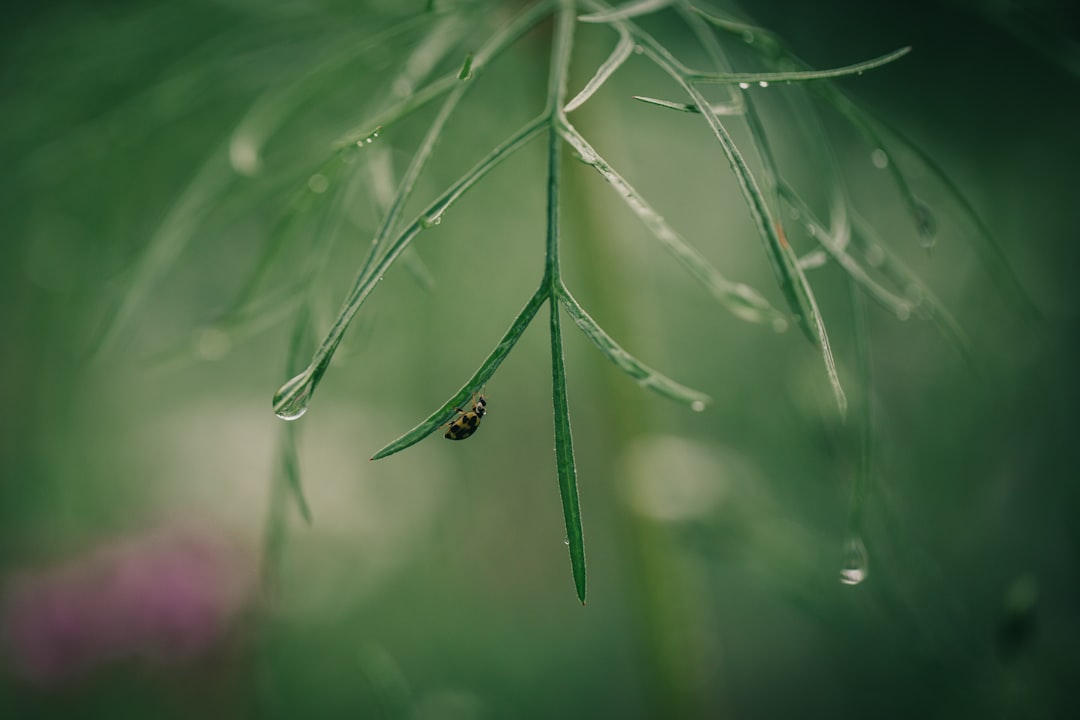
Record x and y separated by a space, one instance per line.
639 371
741 300
622 51
564 458
487 369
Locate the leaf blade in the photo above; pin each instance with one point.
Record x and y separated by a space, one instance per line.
564 458
487 369
623 49
741 300
639 371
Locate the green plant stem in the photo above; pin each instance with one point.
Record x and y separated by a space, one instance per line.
661 586
551 283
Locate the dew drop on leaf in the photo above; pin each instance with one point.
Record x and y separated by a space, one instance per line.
854 568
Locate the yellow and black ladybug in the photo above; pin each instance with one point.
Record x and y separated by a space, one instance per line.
465 424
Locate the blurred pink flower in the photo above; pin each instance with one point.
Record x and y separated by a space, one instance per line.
168 595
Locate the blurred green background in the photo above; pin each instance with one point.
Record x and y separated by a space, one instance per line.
435 584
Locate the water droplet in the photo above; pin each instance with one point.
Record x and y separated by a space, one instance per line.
880 158
744 85
856 561
318 183
926 224
697 406
779 324
638 49
811 230
763 83
566 541
367 140
291 400
748 37
431 220
903 312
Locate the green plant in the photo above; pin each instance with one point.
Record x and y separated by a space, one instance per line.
845 238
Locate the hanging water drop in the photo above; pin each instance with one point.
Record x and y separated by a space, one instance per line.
854 568
763 83
291 400
744 85
879 158
697 406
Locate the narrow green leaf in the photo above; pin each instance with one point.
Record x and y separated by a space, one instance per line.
681 107
624 12
466 67
564 458
793 284
779 253
487 369
292 398
623 49
742 300
733 108
639 371
798 75
783 266
898 306
807 300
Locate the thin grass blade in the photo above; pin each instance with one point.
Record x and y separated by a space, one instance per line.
291 400
625 12
623 49
487 369
741 300
639 371
798 75
564 458
733 108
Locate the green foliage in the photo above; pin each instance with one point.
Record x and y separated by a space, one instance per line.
764 198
